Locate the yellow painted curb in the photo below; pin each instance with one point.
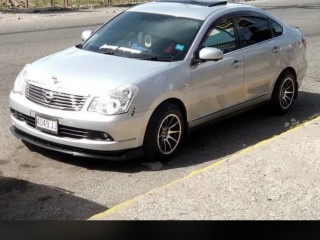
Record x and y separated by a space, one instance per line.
130 202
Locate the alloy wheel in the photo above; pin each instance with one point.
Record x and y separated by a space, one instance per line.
287 93
169 134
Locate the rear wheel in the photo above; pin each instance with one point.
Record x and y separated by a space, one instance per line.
283 94
164 132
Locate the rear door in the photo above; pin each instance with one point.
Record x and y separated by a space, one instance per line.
261 54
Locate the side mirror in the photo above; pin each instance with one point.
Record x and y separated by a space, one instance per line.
210 54
86 34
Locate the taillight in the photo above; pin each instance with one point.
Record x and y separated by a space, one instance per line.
304 41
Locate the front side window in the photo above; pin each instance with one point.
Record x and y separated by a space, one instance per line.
221 36
145 36
253 30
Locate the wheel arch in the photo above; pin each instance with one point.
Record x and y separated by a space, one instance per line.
294 73
178 105
175 101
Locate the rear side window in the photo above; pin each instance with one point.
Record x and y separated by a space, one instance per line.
253 30
276 28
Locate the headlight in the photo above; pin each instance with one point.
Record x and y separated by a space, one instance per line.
116 102
20 82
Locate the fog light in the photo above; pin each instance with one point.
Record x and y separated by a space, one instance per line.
104 135
17 115
13 112
99 136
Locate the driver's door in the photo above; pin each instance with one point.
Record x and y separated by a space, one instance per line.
218 85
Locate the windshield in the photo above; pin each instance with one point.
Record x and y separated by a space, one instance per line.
145 36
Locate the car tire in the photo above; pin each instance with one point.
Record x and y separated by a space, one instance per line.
164 133
283 93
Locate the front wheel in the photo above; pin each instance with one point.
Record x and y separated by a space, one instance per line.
283 94
164 133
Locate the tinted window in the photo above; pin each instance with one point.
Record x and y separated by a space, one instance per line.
221 36
253 30
276 28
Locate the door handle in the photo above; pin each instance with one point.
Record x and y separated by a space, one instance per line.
276 49
237 63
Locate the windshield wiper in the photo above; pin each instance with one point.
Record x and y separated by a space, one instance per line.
111 49
108 49
155 58
108 52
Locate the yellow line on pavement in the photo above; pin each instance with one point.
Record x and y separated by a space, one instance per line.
130 202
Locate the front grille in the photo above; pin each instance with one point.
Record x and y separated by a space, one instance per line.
55 99
29 120
66 131
71 132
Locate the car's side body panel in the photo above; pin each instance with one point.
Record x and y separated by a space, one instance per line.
261 65
217 85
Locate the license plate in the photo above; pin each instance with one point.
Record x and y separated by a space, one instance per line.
45 124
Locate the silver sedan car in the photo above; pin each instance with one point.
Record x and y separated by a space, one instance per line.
138 83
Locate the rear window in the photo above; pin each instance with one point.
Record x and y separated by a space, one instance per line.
253 30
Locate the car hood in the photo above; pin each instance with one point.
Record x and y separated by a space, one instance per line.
83 72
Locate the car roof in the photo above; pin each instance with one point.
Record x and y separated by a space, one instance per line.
199 9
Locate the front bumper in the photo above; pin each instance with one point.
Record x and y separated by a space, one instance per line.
77 152
127 130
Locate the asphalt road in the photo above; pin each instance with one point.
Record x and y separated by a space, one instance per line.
36 184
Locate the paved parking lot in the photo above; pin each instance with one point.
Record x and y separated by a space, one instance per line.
35 184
